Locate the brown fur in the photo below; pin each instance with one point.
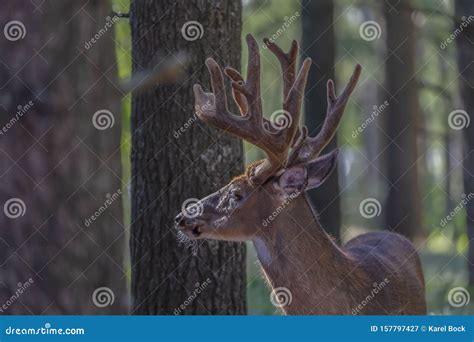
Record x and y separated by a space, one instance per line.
324 278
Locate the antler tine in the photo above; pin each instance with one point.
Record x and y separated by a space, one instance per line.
212 107
308 148
253 81
294 100
288 68
281 141
287 62
247 93
238 96
251 125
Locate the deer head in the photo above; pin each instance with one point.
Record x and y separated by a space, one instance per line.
237 212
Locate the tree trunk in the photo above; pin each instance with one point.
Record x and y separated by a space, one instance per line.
56 167
175 158
402 208
466 69
318 43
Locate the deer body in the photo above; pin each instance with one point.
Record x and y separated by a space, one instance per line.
322 278
375 273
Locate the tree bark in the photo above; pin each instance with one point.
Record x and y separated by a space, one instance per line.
465 44
175 158
318 43
403 205
57 163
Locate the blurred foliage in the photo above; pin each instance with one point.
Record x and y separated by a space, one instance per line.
443 249
124 66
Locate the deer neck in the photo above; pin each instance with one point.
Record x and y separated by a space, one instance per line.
297 254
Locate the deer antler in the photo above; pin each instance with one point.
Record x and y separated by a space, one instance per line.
251 125
287 62
307 148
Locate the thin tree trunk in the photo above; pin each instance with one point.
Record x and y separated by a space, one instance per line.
466 69
402 208
318 43
57 163
170 165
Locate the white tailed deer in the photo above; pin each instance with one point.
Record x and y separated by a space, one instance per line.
374 273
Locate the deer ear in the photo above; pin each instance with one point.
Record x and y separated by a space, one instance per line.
308 176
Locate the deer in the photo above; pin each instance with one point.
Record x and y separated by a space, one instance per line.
375 273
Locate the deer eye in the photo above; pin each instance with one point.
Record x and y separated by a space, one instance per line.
236 196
